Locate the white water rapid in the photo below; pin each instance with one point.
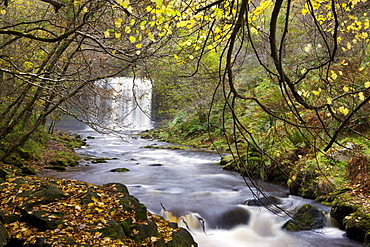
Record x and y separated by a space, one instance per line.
188 186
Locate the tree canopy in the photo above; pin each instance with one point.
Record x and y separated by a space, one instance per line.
310 58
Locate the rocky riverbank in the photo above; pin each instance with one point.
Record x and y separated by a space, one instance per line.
350 201
37 211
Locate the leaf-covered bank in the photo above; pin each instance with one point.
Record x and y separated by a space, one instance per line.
45 212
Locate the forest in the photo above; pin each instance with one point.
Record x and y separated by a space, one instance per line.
283 87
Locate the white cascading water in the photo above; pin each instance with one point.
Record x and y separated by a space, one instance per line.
130 103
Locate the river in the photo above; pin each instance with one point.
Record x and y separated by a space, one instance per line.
188 183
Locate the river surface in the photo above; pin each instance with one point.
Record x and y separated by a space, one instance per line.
188 186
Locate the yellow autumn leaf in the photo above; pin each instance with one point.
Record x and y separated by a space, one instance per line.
139 46
367 84
191 57
3 11
138 52
361 96
28 65
343 110
316 92
329 101
118 35
99 210
125 3
106 34
344 62
349 46
127 29
118 22
132 39
253 30
85 10
345 89
333 75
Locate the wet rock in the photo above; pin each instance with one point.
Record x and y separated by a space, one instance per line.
28 170
357 225
182 238
232 218
120 170
145 231
263 201
88 197
3 173
13 160
119 188
307 217
367 239
6 217
44 195
4 235
113 230
340 210
44 220
100 160
56 241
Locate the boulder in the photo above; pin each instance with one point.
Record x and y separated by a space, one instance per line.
27 170
44 195
4 235
3 173
232 218
340 210
13 160
367 239
182 238
145 231
44 220
263 201
357 225
307 217
113 230
120 170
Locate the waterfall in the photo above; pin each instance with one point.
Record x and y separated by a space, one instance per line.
129 102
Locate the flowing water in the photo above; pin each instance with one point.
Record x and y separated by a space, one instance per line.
188 186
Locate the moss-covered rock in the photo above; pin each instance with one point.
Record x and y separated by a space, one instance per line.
3 173
99 160
340 209
120 170
182 238
113 230
4 235
307 217
14 161
357 225
27 170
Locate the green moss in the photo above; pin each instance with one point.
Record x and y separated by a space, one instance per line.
120 170
357 225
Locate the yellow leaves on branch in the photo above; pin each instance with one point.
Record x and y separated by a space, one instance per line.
343 110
